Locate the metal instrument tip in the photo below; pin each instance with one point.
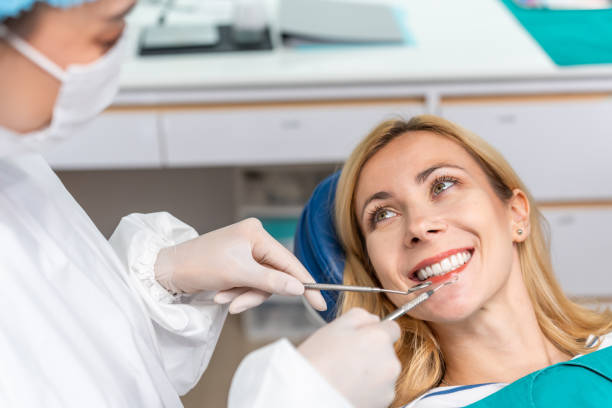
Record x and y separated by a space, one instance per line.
452 280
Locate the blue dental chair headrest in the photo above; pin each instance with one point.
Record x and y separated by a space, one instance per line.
316 242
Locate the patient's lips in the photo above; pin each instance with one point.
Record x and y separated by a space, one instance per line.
437 268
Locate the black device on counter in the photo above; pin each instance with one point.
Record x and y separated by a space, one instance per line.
177 39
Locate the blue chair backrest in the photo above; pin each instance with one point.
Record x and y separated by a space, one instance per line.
316 242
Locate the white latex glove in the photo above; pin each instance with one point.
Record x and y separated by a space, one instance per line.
241 261
355 354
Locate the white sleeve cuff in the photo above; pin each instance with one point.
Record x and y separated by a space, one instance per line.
138 239
186 331
144 268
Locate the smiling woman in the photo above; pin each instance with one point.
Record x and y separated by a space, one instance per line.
428 200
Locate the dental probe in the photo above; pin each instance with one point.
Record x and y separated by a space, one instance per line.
400 311
353 288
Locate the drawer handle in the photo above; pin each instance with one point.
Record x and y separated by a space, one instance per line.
291 124
566 219
507 119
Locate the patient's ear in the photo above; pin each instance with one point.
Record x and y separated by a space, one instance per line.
519 212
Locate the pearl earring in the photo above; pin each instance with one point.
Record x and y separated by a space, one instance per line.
519 231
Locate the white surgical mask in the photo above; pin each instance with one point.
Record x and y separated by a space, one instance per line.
85 91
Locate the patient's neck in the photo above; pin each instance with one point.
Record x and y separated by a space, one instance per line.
501 342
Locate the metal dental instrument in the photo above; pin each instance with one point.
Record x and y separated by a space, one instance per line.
417 301
352 288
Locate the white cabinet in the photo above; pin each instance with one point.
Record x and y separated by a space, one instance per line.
113 140
272 135
561 150
581 247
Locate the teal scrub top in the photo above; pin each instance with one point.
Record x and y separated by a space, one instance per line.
582 382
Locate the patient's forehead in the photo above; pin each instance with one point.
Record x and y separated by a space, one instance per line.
406 156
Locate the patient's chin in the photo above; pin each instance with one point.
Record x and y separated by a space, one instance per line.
451 310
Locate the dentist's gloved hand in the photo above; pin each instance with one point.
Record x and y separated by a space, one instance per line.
355 354
241 261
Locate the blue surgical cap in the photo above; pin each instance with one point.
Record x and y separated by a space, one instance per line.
12 8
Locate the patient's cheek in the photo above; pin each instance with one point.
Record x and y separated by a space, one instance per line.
389 281
386 280
383 263
399 300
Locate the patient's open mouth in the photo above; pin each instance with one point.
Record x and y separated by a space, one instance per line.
451 261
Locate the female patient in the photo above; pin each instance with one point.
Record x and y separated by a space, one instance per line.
427 200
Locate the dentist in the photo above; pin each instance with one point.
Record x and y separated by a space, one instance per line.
132 322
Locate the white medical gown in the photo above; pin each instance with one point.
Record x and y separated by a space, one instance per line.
83 322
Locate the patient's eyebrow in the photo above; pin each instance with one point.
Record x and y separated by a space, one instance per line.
422 176
381 195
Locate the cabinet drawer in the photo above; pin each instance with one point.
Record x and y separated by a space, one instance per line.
581 245
272 135
562 150
113 140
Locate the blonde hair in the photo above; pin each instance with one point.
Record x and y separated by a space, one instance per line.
565 323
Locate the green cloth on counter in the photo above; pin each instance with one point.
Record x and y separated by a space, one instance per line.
282 229
569 37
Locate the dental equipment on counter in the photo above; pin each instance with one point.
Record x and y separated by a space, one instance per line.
185 27
351 288
400 311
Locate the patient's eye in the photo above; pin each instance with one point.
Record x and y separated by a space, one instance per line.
380 214
383 215
442 184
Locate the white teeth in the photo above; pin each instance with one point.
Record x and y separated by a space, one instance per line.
454 261
444 266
